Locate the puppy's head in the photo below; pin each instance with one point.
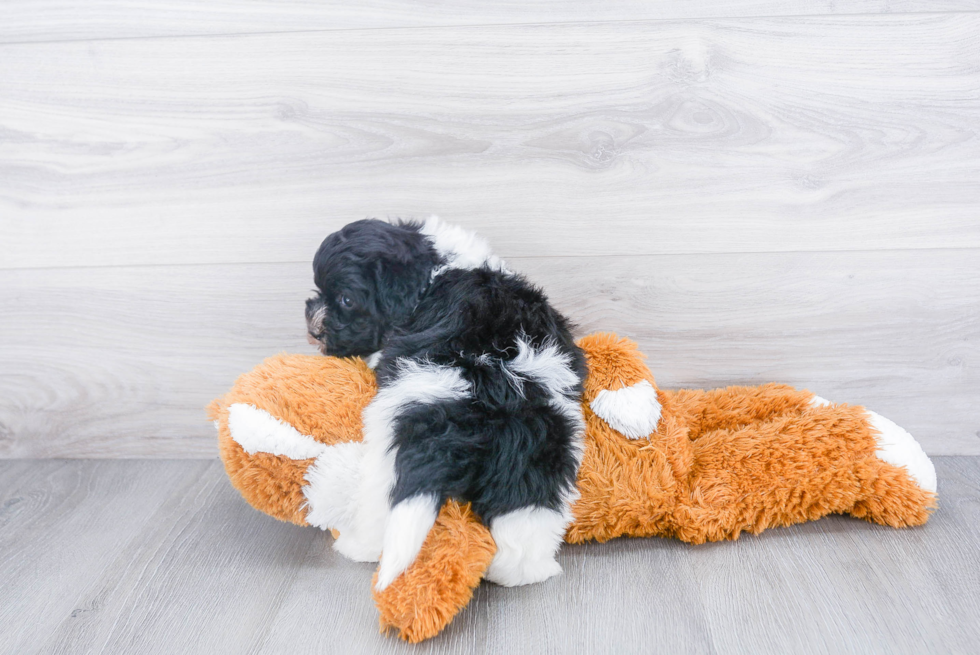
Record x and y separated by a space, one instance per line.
369 276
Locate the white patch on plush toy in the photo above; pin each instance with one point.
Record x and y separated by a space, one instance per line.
258 431
416 383
408 525
898 447
460 247
817 401
633 411
331 487
527 540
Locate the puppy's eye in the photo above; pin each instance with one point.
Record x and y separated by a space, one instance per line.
345 301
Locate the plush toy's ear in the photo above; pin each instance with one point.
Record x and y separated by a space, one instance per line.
286 419
422 601
620 388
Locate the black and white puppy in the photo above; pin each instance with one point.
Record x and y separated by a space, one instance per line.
479 383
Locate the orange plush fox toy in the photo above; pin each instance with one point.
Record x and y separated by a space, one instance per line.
695 465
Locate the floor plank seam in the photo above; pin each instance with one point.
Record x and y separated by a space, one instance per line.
514 258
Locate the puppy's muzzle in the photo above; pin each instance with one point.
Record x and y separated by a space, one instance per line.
316 316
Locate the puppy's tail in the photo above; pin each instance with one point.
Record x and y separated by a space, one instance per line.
408 524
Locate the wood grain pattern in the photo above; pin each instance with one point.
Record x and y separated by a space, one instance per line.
109 362
62 524
197 570
785 134
54 20
197 559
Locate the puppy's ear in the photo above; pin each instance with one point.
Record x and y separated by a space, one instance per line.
400 283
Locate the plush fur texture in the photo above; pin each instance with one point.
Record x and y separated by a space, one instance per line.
506 435
719 463
320 397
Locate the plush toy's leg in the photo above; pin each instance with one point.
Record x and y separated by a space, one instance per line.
899 482
732 407
440 582
797 468
897 447
527 543
408 524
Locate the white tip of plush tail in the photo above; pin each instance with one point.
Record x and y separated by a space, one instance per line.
408 524
899 448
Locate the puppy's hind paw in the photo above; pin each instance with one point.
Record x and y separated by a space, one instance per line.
348 545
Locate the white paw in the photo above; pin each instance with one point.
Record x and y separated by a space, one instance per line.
348 545
632 411
509 570
898 447
527 542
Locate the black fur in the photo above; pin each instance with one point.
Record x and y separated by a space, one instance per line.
382 269
503 447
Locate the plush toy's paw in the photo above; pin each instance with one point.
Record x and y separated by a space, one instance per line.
899 448
632 411
527 541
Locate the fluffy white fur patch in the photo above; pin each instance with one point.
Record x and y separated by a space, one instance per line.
551 368
460 247
633 411
258 431
548 366
898 447
817 401
408 525
332 483
416 383
527 542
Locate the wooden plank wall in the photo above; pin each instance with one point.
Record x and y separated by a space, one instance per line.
753 191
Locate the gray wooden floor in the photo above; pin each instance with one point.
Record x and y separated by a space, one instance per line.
163 556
